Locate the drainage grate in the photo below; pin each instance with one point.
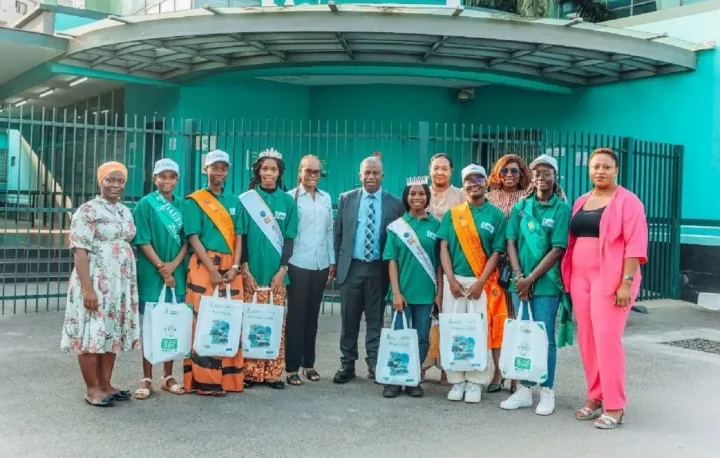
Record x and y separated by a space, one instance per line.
705 345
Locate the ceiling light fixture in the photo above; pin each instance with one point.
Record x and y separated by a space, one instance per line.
47 93
21 103
78 81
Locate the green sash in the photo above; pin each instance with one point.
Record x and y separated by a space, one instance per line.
538 242
169 216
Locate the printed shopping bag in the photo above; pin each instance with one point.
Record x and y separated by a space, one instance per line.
219 324
464 339
524 351
398 360
167 329
262 329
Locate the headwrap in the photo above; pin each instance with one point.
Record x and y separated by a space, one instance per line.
110 167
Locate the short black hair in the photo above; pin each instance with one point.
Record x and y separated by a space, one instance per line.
406 194
442 155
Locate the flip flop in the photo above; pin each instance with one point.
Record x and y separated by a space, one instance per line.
122 396
108 401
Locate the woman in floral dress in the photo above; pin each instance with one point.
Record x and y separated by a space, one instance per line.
101 317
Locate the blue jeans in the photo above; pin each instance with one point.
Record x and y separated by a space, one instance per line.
418 317
544 308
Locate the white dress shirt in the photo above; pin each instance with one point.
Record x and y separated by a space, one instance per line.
313 248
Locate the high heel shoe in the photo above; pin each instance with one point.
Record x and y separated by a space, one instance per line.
495 387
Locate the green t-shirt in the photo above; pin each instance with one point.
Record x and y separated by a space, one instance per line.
197 222
490 223
554 217
262 257
415 284
151 231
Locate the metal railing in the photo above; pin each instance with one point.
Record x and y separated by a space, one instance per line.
55 173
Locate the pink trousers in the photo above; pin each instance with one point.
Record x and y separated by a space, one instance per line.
600 328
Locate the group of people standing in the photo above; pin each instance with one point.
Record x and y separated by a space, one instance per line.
503 239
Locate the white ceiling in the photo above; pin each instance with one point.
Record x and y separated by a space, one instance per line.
333 80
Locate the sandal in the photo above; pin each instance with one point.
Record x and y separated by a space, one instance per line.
586 413
107 401
214 394
607 422
312 375
276 385
175 388
294 380
143 393
495 387
443 379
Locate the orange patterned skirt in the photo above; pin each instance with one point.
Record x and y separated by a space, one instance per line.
261 370
206 374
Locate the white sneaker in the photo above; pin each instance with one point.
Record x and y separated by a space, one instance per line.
472 393
519 399
546 406
457 392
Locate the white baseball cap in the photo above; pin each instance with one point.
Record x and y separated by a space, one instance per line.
547 160
166 165
217 156
473 169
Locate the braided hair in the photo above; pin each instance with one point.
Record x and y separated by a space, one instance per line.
257 165
299 180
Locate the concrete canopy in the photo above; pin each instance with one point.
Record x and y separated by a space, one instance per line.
22 51
182 45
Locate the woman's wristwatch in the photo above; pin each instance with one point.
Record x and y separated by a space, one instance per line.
627 277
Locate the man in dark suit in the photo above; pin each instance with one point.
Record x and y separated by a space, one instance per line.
360 232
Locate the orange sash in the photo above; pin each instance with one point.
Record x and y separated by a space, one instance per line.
217 214
472 247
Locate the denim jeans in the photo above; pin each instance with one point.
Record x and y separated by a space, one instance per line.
418 317
544 308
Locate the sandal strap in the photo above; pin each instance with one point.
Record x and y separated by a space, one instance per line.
146 379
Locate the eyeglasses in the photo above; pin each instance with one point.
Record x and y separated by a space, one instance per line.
477 179
312 171
509 171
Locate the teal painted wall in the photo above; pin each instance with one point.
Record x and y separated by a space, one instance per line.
680 108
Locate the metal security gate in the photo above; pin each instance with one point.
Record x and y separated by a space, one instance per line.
52 157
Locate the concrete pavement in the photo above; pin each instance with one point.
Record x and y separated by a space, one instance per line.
673 412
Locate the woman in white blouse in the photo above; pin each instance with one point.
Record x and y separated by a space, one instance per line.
312 267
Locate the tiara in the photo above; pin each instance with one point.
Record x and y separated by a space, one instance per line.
271 152
412 181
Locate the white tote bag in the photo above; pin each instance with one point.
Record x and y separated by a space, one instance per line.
167 329
262 329
219 324
524 351
398 360
464 339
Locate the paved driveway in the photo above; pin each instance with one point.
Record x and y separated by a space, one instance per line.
674 407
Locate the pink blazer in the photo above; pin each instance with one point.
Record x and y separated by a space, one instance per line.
623 234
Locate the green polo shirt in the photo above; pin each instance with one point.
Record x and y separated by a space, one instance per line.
262 258
415 284
197 222
151 231
554 217
490 223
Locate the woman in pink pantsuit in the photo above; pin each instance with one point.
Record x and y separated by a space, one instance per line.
601 267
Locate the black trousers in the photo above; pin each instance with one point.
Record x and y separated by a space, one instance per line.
305 295
362 292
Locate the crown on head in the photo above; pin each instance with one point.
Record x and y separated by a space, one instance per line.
270 152
411 181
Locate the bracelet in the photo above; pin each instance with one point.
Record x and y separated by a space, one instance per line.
531 277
